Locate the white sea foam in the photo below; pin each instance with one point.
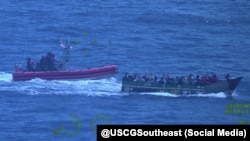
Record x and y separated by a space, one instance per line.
160 94
5 77
90 87
218 95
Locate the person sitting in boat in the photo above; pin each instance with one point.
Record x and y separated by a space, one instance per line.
190 79
214 78
228 76
30 65
152 78
43 63
198 80
129 77
51 61
161 81
125 77
41 66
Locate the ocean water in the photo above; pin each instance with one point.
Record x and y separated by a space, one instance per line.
175 37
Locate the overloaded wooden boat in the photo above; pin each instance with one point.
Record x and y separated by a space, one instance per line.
180 85
48 69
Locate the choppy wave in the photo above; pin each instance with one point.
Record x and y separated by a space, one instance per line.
78 87
5 77
89 87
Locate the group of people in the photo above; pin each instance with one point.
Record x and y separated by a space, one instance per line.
181 80
46 63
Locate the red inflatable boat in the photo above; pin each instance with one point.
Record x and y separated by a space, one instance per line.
49 69
66 74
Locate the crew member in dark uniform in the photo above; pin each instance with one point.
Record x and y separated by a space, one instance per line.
30 65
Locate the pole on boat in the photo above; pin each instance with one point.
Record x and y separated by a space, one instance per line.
25 50
66 48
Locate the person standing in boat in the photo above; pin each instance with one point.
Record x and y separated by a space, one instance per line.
65 60
42 63
30 65
51 61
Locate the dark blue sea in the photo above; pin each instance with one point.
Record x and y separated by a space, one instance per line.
177 37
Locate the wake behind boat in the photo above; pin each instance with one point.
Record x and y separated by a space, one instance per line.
49 69
180 85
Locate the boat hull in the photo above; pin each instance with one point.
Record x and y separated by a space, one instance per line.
66 74
226 86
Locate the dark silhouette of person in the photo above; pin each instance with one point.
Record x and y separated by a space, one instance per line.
51 62
228 76
42 64
30 65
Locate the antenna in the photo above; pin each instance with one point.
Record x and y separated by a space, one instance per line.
25 50
68 41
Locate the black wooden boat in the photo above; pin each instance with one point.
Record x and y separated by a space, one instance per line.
179 85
